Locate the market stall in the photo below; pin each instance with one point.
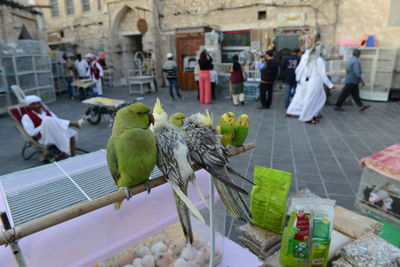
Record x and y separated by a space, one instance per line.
46 207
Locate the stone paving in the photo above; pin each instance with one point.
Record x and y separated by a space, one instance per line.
323 157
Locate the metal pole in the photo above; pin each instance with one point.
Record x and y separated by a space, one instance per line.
15 248
212 223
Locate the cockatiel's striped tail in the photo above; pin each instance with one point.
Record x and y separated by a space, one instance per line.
241 130
184 218
182 194
233 202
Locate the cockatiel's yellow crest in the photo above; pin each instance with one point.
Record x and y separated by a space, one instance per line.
158 107
208 119
160 116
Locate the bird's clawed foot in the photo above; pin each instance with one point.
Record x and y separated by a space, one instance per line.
128 192
148 186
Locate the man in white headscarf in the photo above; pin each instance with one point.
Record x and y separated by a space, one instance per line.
314 77
47 129
296 105
95 72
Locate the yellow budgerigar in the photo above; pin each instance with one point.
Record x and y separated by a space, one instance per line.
226 127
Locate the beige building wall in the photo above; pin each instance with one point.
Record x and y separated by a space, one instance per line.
13 20
88 30
240 14
360 18
111 24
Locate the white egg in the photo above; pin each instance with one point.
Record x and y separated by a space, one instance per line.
200 242
199 258
158 247
180 263
143 251
137 262
189 253
149 261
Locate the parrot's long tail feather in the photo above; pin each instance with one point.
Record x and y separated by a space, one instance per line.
232 171
187 201
199 192
184 218
233 202
221 174
117 205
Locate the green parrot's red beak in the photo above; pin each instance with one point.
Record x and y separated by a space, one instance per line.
151 118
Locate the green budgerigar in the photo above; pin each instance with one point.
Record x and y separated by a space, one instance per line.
241 130
177 119
131 149
226 127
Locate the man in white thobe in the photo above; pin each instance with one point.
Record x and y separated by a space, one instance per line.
95 73
296 105
47 129
314 77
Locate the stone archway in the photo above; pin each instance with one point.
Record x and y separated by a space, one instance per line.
125 21
127 40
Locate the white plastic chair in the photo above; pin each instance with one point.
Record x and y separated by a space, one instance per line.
18 93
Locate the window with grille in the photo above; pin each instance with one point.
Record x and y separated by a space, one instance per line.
85 5
233 43
69 7
54 8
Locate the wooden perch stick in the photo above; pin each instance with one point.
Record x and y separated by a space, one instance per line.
60 216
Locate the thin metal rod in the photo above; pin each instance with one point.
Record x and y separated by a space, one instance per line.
212 223
60 216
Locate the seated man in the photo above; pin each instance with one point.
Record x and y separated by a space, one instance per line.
45 127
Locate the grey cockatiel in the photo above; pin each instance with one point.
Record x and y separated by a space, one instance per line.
174 162
207 151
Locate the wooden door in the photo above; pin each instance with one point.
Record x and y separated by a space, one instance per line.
187 45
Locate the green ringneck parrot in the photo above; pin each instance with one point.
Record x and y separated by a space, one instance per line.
177 119
207 151
174 162
131 149
241 130
226 127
